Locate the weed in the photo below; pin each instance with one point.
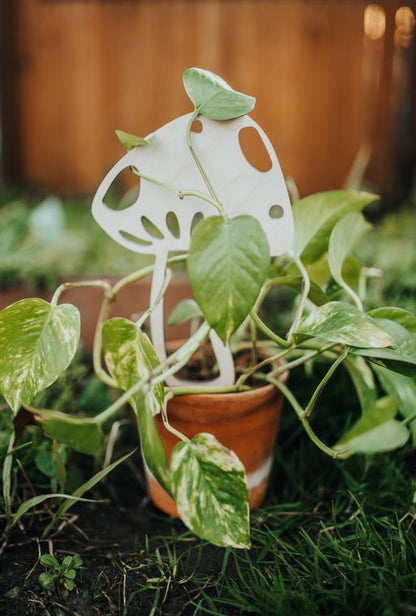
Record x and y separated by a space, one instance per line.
59 576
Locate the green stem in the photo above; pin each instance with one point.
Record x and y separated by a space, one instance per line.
103 315
269 360
143 272
103 284
166 423
171 365
199 164
178 191
409 419
162 291
333 453
302 298
183 391
355 298
268 332
324 381
253 337
302 360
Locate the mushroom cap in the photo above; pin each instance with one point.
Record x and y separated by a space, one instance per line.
240 187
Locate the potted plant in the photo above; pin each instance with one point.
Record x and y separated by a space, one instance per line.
228 254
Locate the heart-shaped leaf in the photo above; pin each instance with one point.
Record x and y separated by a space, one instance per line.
184 311
344 324
315 216
403 390
213 97
80 433
38 342
347 231
376 431
210 490
227 265
130 357
130 141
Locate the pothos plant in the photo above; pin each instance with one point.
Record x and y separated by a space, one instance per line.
231 274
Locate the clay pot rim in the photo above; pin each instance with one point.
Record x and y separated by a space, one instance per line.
232 396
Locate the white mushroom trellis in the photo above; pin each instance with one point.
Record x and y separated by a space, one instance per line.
176 190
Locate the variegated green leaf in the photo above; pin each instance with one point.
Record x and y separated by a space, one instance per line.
80 433
347 231
227 265
403 317
213 97
210 490
376 430
130 357
363 379
401 357
38 342
403 390
344 324
315 216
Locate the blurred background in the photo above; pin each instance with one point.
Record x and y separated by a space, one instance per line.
335 82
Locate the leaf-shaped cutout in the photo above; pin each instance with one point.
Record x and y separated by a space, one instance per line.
38 342
210 490
80 433
376 430
130 141
213 97
344 324
172 224
315 216
130 356
227 265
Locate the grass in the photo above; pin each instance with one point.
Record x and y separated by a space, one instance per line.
333 537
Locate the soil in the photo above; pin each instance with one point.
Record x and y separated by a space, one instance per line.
117 541
202 365
124 542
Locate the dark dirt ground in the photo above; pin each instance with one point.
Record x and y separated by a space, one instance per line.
122 543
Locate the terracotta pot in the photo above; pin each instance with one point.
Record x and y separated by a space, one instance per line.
245 422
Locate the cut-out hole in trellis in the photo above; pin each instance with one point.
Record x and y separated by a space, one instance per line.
229 152
126 184
254 149
197 126
133 238
151 228
195 220
173 224
276 211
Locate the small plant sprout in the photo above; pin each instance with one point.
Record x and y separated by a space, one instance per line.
59 576
203 203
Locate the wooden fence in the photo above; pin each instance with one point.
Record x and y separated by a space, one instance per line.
73 71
